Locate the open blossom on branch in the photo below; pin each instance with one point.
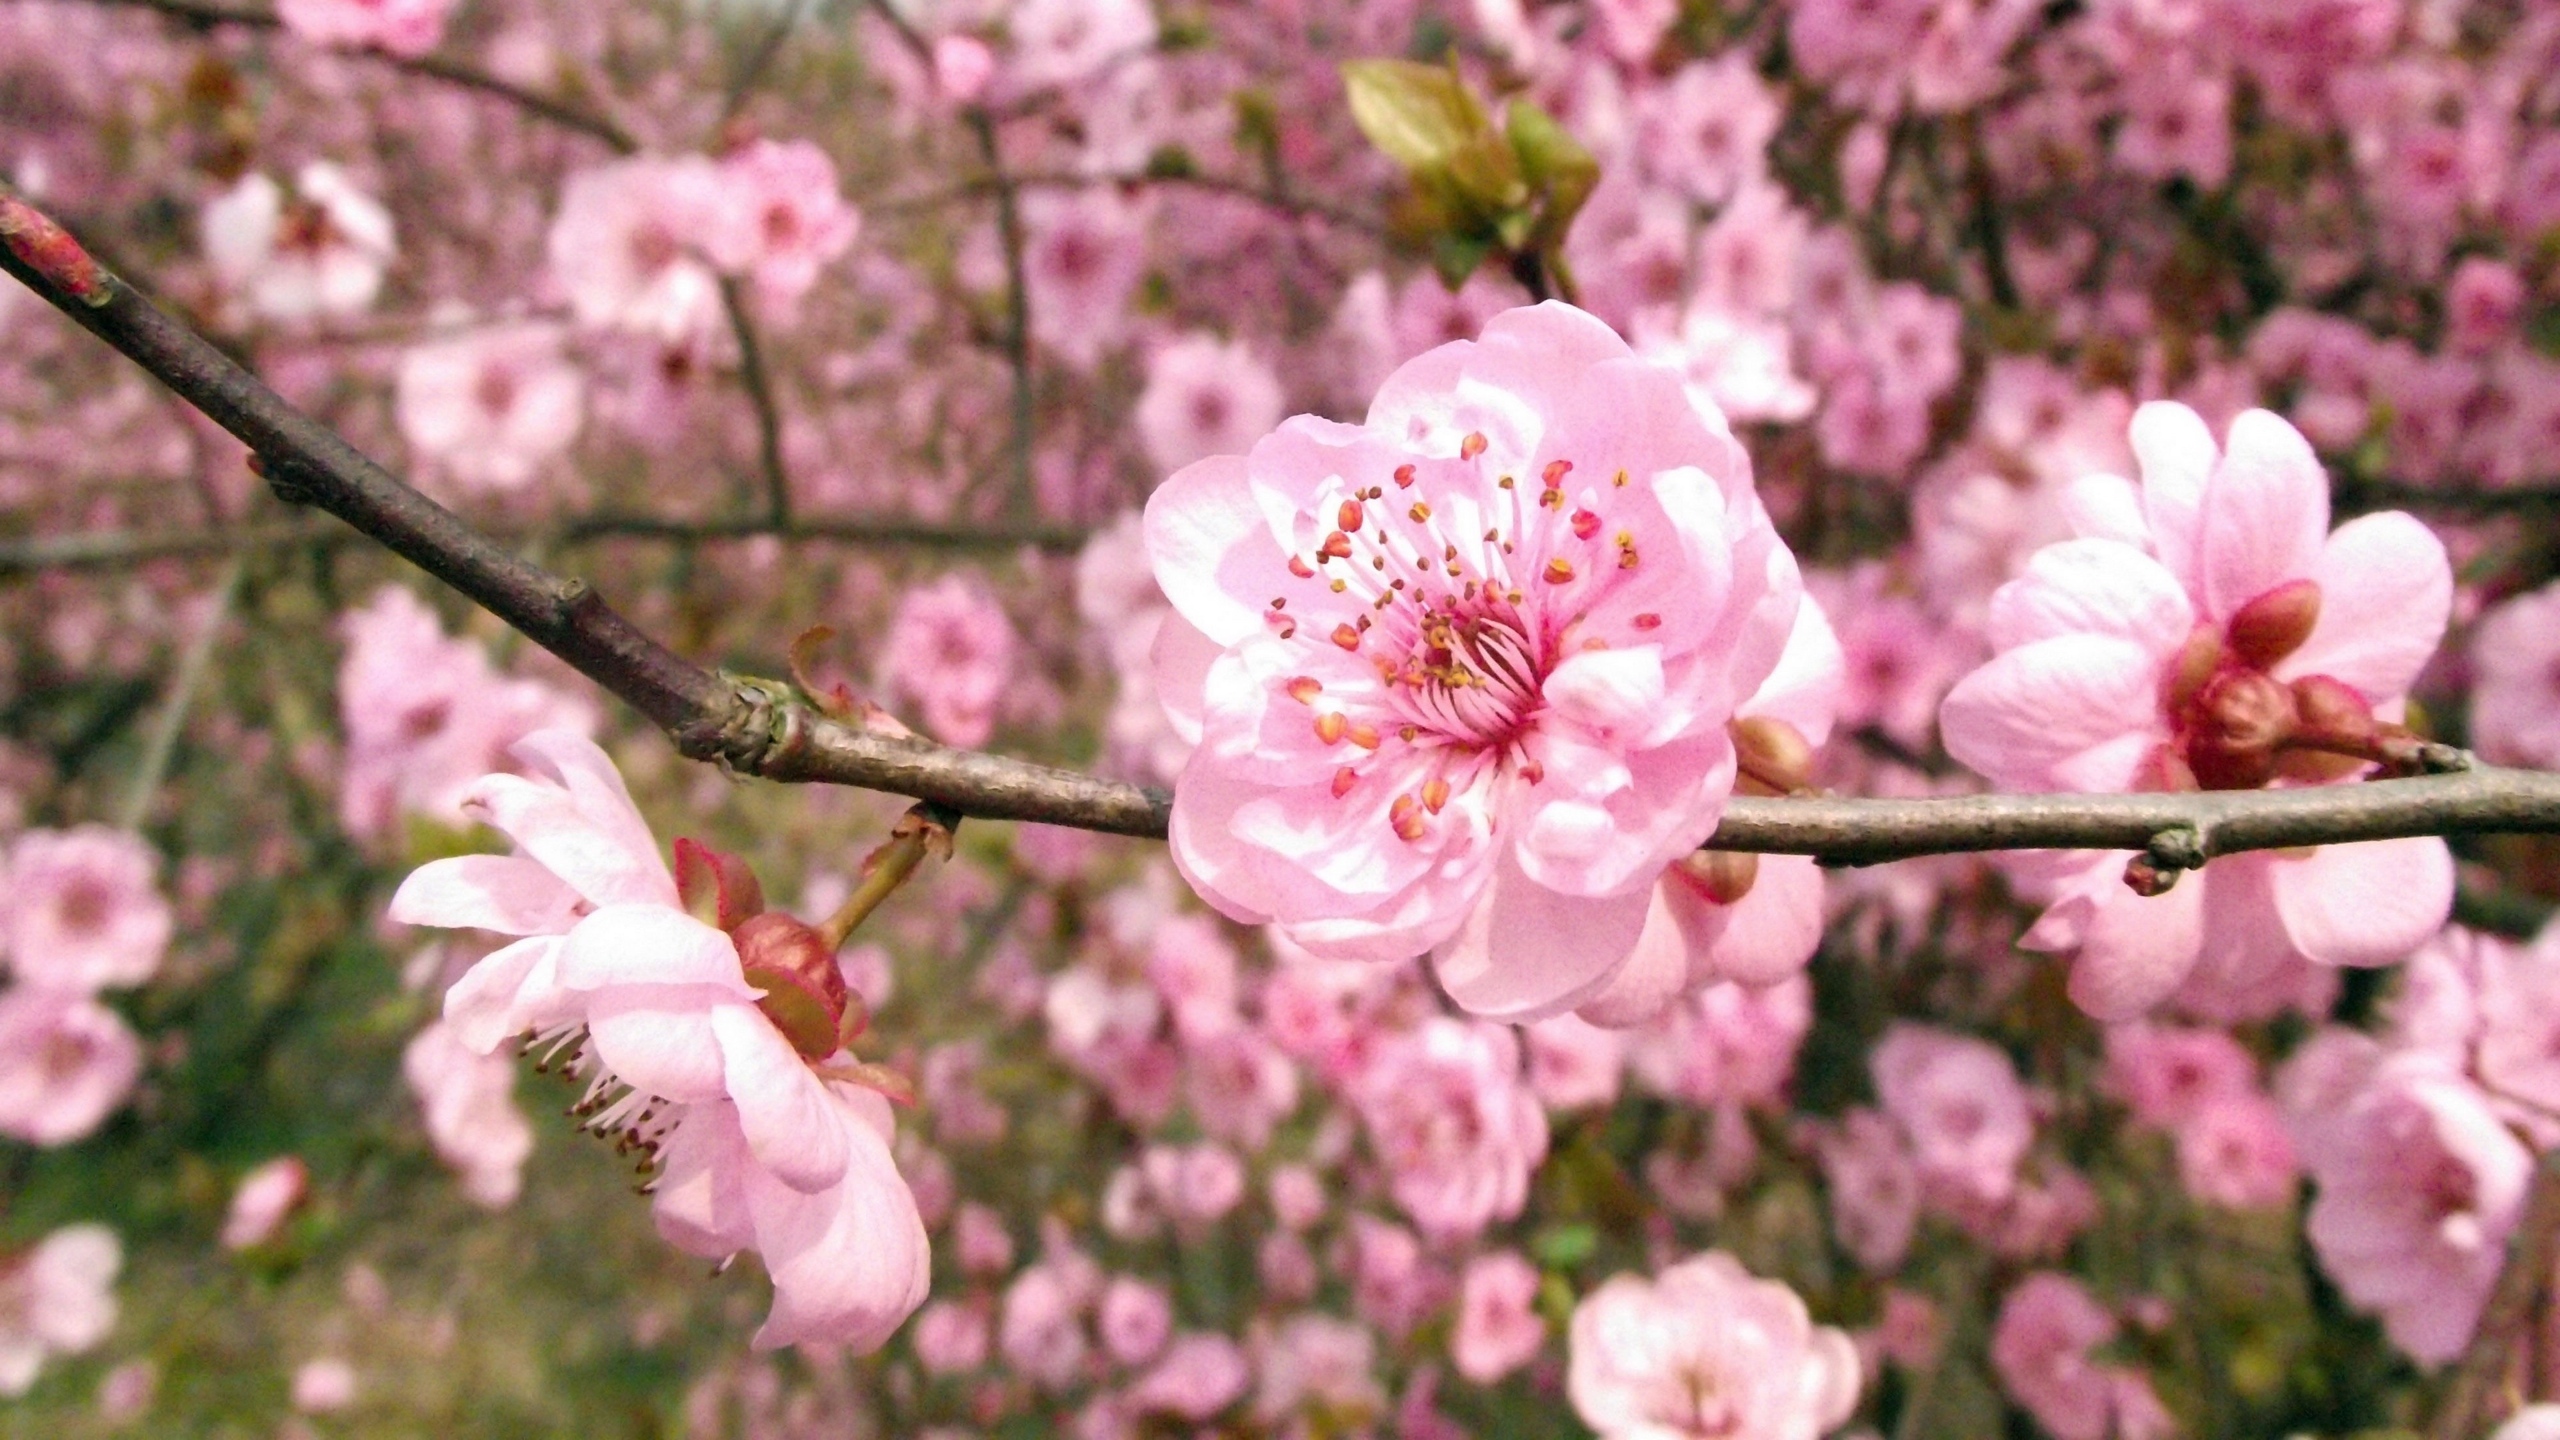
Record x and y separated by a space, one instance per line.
2208 631
315 252
1462 675
712 1036
1707 1350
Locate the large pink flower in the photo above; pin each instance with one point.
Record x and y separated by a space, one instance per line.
2210 631
711 1047
1707 1350
1462 674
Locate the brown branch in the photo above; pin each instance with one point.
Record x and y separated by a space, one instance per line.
118 549
434 67
2487 1367
761 727
1017 301
1186 179
759 388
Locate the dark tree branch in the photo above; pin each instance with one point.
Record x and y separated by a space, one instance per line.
434 67
761 727
759 387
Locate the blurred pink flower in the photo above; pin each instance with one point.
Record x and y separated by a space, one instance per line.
1452 1122
2515 701
490 407
1707 131
1204 397
2167 1075
1707 1350
1498 1328
317 252
466 1098
1959 1104
83 911
1041 1333
1061 42
764 1144
1511 714
1313 1361
1726 1043
1200 1375
951 1337
1134 1319
1872 1187
2209 631
324 1386
263 1200
2040 1348
950 652
56 1299
403 27
66 1064
2419 1184
1083 256
2233 1151
630 244
1574 1064
782 218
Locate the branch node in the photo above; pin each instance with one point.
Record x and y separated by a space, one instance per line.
2180 847
764 725
289 480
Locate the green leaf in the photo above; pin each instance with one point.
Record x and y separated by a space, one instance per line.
1565 1246
1420 115
1554 164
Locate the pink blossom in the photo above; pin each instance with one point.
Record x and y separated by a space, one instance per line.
1708 130
1725 1043
1204 397
1494 763
1959 1103
492 407
2166 1075
1573 1064
1310 1361
2234 1152
2208 631
262 1200
1298 1197
1240 1087
1040 1331
1200 1375
2040 1349
630 245
83 911
2483 299
316 253
1428 313
1872 1186
403 27
466 1098
1082 259
2178 124
950 652
2515 702
979 1236
1740 364
1706 1350
1134 1319
57 1299
66 1064
1498 1328
782 218
1061 42
1451 1121
2419 1185
951 1337
653 1007
324 1386
2533 1422
1633 28
1194 1185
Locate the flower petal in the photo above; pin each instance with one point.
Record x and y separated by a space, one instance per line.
649 945
1215 555
1655 974
2177 455
2135 950
1764 937
1805 689
791 1121
2265 514
2027 713
510 991
505 894
850 1263
2386 590
2091 587
658 1039
2364 904
1527 952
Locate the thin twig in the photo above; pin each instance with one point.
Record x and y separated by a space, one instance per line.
434 67
1017 303
759 388
742 86
762 727
162 743
1180 179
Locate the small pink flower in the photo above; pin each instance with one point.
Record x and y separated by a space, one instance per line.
262 1200
1498 1328
1205 397
782 219
682 1054
2166 1075
1574 1064
1725 1044
1134 1319
2234 1152
1084 255
1062 42
2419 1184
492 407
951 1337
1708 130
2209 631
1872 1186
66 1064
630 245
1959 1103
1707 1350
950 651
2040 1350
403 27
318 252
57 1299
1199 1376
1450 1119
2515 702
1040 1332
83 911
1462 674
324 1386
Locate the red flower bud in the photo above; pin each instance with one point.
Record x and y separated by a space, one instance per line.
1723 876
804 991
1773 757
2275 624
717 889
2188 672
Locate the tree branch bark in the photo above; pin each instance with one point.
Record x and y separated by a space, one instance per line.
764 728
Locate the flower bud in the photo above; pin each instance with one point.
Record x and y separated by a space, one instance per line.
2239 718
2188 673
717 889
1723 876
804 993
1772 756
2275 624
2335 735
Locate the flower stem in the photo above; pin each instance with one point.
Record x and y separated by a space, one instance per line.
923 830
